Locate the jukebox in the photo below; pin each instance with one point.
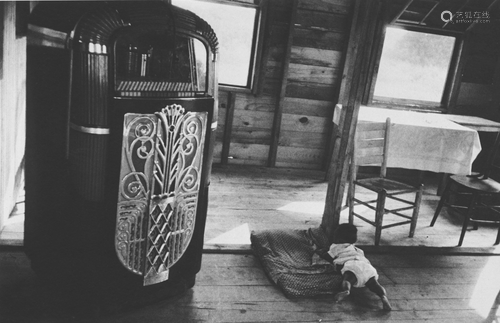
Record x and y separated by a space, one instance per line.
121 114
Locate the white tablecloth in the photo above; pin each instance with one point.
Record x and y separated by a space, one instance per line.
426 141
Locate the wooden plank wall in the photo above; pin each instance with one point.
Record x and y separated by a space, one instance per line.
315 69
252 115
312 80
12 107
480 79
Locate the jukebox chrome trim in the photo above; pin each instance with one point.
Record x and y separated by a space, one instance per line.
89 130
42 36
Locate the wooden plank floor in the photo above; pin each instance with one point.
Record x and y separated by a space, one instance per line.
424 285
246 198
233 288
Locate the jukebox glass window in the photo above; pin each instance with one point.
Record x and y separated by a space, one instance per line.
160 64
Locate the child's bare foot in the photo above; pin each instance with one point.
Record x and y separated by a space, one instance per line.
346 290
339 297
385 303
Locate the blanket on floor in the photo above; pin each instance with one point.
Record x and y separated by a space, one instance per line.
288 257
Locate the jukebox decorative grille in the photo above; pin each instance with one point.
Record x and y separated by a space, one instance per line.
161 163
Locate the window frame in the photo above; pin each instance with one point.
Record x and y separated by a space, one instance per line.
255 70
396 103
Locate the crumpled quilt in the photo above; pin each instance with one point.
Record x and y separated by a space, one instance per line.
289 260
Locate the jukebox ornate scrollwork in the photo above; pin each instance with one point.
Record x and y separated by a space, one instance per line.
160 173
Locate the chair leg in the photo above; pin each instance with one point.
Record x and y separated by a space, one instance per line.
350 201
442 201
464 229
497 241
416 210
348 196
350 184
468 214
475 225
379 216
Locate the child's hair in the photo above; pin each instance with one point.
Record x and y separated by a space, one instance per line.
346 233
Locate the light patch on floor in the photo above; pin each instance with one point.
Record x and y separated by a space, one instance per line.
487 290
237 236
304 207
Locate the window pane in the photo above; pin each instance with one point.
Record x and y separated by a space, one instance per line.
234 27
414 65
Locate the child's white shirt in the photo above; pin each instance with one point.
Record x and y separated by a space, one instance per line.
353 259
344 252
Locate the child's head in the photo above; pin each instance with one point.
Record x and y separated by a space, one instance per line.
345 233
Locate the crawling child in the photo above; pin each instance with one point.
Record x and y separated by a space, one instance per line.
356 270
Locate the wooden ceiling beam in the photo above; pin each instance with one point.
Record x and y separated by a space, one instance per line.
398 15
459 9
430 12
490 7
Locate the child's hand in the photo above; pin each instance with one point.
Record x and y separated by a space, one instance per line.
323 253
337 267
320 251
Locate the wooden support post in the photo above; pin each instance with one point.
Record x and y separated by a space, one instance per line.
335 134
451 92
264 52
379 29
375 33
273 149
226 141
352 93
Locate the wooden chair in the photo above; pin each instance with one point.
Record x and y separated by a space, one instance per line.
481 192
370 148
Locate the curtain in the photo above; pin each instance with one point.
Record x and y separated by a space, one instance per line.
12 109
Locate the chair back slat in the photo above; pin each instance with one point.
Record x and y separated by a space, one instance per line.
372 160
370 146
370 134
363 126
367 143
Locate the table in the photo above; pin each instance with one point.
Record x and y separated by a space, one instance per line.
473 122
426 141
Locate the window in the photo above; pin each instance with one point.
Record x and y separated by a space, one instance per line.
236 27
414 68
